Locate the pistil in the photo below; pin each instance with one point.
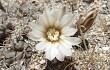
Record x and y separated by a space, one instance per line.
53 35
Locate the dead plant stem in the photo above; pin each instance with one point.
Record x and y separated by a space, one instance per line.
83 39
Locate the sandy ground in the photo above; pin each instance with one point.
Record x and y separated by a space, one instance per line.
17 52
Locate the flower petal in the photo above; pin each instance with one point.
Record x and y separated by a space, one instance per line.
66 44
33 38
33 24
59 16
30 36
40 46
48 54
65 51
53 14
66 20
36 26
65 28
60 56
61 13
68 31
49 17
36 33
52 52
74 40
43 20
48 46
56 24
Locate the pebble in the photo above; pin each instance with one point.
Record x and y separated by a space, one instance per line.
105 48
42 61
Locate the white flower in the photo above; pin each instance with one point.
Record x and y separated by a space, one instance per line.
54 31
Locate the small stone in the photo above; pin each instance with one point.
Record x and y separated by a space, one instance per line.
105 48
42 61
104 6
108 24
37 67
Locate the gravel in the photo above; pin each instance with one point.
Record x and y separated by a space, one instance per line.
17 52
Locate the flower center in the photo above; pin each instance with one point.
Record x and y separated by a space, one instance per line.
53 35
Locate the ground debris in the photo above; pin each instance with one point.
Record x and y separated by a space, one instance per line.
17 52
